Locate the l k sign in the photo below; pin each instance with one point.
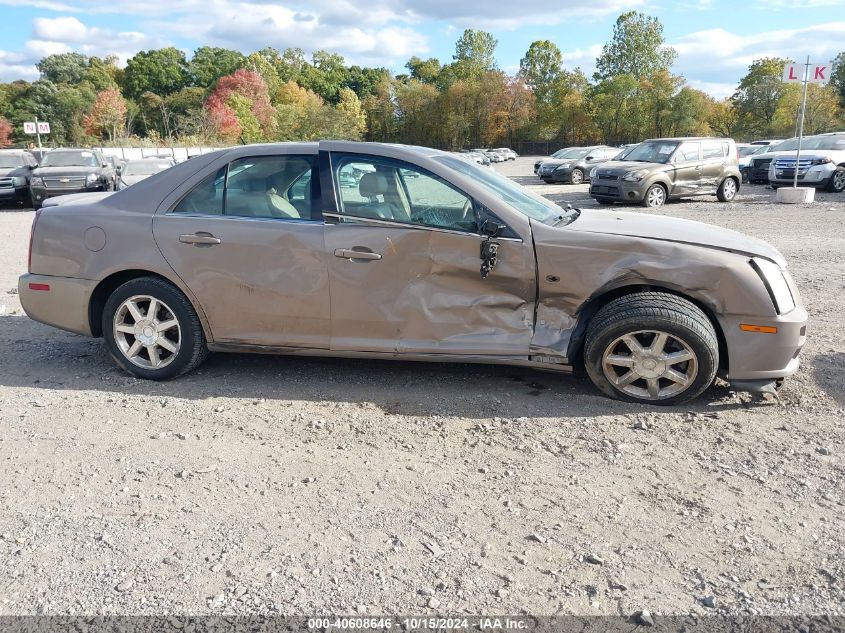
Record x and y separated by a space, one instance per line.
816 73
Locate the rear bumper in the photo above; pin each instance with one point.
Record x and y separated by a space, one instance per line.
58 301
758 356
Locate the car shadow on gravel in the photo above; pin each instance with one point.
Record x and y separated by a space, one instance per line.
829 374
40 358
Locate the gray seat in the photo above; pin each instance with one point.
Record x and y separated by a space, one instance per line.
383 200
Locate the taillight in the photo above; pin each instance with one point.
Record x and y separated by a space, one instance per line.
31 236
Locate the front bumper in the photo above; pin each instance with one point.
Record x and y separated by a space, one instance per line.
17 194
759 356
58 301
39 194
815 176
618 190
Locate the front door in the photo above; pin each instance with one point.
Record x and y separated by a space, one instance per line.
244 241
687 161
404 257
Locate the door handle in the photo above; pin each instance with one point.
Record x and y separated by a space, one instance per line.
348 253
199 238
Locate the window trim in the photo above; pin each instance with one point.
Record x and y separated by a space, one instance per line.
316 197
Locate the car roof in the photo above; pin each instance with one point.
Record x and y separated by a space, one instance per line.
689 138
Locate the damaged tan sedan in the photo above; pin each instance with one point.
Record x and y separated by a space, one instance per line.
383 251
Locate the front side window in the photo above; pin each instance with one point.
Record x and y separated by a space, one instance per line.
270 187
382 189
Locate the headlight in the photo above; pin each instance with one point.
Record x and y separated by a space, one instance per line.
821 161
91 179
37 181
635 176
562 166
775 281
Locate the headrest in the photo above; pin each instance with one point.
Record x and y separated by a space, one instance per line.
372 184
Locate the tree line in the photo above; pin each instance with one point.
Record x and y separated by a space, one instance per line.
221 96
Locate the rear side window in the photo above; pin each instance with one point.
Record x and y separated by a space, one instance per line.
713 149
688 152
270 187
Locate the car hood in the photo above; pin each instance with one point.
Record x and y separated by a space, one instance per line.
619 167
676 230
64 171
74 198
6 172
833 154
131 180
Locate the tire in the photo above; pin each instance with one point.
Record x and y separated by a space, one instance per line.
655 196
727 190
185 337
577 177
837 181
642 316
744 174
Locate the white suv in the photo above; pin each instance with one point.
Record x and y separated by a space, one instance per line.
822 164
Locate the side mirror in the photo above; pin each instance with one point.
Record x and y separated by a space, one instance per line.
491 228
589 158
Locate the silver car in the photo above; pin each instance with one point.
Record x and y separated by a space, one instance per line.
384 251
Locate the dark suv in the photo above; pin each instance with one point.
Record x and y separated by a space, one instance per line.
64 171
661 169
15 172
575 164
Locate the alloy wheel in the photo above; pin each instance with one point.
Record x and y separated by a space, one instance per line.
577 177
656 196
650 365
839 180
729 189
147 332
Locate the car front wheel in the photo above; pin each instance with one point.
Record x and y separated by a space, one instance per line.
651 347
577 176
654 197
151 329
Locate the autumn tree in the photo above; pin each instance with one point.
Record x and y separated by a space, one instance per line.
821 114
108 116
251 86
837 80
5 132
757 98
541 69
474 55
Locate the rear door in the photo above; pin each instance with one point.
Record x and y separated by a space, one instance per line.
247 242
714 160
403 250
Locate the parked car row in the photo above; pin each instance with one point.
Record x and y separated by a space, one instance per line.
26 180
574 163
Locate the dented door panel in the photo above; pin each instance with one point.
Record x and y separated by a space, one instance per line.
426 295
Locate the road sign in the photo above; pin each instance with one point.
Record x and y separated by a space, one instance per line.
30 128
816 73
43 127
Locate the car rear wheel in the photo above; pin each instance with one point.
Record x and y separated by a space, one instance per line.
727 190
651 347
152 331
837 181
654 197
577 176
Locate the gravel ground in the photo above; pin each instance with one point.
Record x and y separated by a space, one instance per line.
288 485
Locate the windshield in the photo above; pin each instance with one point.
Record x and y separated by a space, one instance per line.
70 159
651 152
144 168
519 198
834 141
753 149
11 160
